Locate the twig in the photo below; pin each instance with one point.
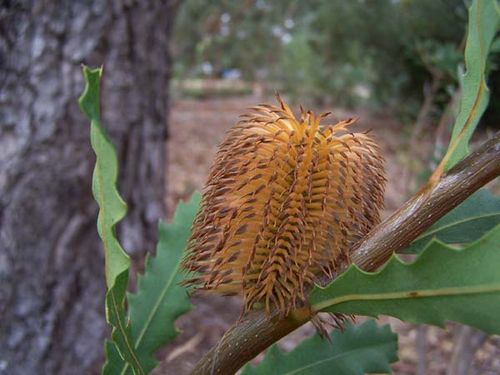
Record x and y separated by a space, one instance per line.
421 342
257 331
469 340
429 91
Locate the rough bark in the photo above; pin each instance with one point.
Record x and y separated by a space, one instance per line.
51 266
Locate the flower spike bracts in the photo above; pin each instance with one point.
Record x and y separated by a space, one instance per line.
286 200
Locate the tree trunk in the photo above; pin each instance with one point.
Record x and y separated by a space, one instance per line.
51 263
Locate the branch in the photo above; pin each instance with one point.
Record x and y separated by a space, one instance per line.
253 334
430 204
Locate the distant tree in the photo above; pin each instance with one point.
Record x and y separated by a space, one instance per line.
245 35
388 47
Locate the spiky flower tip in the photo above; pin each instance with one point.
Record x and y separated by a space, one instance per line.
286 200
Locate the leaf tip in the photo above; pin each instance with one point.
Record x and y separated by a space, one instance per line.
89 99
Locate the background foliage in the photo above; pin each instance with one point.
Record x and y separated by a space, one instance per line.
378 53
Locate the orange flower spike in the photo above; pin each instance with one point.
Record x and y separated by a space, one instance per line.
286 200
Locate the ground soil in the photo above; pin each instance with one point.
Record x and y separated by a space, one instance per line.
196 128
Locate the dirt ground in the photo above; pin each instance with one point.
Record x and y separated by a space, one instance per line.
196 128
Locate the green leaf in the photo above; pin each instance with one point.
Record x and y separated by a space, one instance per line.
121 332
160 300
114 361
466 223
112 209
357 350
483 22
495 45
442 284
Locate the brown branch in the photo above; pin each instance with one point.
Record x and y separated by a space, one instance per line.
247 338
257 331
429 205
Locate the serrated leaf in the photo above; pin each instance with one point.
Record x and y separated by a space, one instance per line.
442 285
114 361
482 26
112 209
121 332
357 350
160 300
466 223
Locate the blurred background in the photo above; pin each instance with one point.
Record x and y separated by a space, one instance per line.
176 76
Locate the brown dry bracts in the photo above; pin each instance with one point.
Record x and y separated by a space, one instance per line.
286 200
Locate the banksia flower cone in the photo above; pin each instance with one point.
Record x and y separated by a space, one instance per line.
286 200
